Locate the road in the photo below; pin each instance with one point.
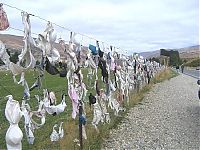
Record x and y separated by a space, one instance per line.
192 72
167 118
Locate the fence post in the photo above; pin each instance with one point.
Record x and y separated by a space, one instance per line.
80 125
138 86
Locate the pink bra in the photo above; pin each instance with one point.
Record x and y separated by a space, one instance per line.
73 95
4 24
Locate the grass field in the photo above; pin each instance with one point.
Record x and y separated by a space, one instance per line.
59 85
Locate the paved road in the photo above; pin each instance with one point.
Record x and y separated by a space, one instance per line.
168 118
192 72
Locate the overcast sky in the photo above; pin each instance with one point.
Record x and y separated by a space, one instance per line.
133 25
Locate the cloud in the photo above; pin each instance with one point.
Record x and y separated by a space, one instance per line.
139 25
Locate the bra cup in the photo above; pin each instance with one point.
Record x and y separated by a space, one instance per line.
14 136
61 130
53 36
54 135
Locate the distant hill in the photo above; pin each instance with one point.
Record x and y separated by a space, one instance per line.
187 52
16 42
12 41
190 52
150 54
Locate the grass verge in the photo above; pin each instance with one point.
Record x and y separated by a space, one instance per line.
54 83
135 98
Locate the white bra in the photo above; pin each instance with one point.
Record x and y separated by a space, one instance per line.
55 136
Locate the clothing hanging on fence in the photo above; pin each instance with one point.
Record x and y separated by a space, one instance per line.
28 125
93 49
51 108
97 115
104 72
127 72
46 41
61 131
74 98
36 84
81 90
24 83
4 55
26 58
15 69
102 101
113 104
55 136
4 24
13 114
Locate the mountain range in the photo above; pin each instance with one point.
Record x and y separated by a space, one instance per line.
16 42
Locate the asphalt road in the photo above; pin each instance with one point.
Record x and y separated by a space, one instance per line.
192 72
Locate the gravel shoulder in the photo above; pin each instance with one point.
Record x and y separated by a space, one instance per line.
167 118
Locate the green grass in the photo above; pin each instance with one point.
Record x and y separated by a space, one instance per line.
135 98
9 87
59 85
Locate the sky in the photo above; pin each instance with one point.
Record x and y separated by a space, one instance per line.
131 25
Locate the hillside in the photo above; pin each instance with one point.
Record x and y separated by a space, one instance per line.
190 52
187 52
12 41
16 42
150 54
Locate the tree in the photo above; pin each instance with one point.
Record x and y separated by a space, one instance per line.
174 59
164 52
155 59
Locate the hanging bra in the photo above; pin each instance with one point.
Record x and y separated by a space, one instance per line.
4 24
55 136
55 109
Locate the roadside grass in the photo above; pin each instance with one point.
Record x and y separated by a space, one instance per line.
193 63
135 98
167 74
59 85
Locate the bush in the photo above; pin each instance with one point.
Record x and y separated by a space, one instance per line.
173 55
193 63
